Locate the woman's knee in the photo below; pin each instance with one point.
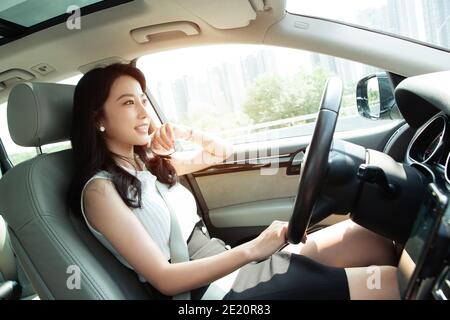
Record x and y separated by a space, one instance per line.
348 244
373 283
378 249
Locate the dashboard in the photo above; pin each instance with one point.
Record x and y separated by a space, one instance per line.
429 149
424 271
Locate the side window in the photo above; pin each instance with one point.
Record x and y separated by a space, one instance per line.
18 154
248 93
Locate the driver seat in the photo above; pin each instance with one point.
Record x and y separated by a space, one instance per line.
58 253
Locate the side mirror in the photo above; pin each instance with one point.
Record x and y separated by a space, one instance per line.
375 97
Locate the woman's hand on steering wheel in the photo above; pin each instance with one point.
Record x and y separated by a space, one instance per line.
272 239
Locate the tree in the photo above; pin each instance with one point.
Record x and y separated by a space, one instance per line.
272 97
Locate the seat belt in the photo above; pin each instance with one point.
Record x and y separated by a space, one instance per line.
179 252
178 247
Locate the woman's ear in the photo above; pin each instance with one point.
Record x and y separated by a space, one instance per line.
99 126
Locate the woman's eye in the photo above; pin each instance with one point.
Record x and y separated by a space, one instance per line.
129 102
144 101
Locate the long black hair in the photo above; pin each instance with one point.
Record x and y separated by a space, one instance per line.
88 145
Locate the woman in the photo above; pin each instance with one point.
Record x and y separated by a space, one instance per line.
116 181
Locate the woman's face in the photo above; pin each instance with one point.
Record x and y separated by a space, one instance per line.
125 113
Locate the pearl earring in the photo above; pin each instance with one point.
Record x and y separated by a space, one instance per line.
102 129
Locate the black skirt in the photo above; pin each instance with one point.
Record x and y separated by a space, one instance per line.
282 276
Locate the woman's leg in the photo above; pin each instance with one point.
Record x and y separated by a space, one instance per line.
292 276
347 245
367 257
373 283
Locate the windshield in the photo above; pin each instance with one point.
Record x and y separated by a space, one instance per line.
423 20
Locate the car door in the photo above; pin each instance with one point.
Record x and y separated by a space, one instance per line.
249 95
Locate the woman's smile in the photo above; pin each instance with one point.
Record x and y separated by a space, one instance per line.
143 128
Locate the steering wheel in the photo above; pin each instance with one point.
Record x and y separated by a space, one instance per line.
315 164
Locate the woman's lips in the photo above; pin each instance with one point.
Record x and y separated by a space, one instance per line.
142 129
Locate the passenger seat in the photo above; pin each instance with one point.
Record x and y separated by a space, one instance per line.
9 287
13 283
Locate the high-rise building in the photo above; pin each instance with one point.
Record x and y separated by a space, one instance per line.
220 89
254 65
343 68
235 84
199 92
163 94
437 17
250 70
402 17
180 95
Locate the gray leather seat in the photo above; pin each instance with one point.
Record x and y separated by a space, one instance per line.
50 242
8 268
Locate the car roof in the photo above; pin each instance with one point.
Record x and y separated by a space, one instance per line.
129 30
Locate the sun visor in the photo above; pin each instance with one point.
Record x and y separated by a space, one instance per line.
229 14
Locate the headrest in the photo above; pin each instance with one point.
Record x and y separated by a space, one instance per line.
40 113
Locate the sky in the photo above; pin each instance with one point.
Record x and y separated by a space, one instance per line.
155 65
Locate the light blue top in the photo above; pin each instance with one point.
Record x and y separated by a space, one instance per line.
159 206
154 213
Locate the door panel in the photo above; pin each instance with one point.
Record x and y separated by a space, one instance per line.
222 190
258 213
238 200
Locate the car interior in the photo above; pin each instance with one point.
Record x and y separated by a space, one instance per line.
391 175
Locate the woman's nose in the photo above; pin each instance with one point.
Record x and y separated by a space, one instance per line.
142 110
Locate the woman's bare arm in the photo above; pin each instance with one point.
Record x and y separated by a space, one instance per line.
214 149
109 215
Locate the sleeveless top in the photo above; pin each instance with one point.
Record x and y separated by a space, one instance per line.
154 213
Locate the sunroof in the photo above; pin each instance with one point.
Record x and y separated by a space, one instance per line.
19 18
28 13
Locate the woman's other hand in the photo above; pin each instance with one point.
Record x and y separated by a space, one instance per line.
162 139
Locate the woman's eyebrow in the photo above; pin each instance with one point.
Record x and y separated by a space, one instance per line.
130 95
125 95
